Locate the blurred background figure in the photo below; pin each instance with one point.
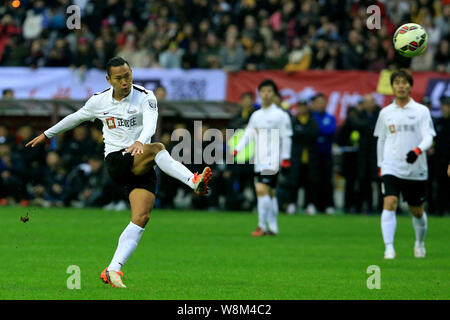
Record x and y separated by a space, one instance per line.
323 188
304 160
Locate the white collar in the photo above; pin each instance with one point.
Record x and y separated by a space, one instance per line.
127 98
408 105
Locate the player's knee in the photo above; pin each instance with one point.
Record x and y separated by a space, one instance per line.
141 219
416 211
390 203
157 147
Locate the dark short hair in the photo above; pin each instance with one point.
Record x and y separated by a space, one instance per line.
115 62
318 95
302 102
402 74
268 82
247 94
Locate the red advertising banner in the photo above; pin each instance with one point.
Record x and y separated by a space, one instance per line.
342 88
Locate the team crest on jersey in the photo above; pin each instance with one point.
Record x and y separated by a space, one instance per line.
151 104
392 128
110 122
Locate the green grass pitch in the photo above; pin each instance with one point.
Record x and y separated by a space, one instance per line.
203 255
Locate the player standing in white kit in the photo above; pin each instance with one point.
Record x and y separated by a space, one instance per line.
405 131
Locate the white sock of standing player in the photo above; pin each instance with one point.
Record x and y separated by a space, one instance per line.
128 242
273 216
420 227
388 226
264 207
174 168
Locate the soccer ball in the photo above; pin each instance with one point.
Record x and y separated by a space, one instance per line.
410 40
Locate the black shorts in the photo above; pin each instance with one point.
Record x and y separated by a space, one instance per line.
270 180
119 167
414 192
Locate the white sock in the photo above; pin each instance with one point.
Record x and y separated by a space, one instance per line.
388 226
273 215
420 227
264 208
174 168
128 242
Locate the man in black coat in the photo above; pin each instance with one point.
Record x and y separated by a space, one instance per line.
367 170
442 157
304 157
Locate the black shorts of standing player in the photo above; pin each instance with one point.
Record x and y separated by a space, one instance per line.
119 165
414 192
269 179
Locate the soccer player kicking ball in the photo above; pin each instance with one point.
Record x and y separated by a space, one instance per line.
405 131
129 114
271 128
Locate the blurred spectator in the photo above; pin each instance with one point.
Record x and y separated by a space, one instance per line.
367 173
33 158
190 57
85 185
12 187
209 53
15 52
324 186
276 57
442 157
353 51
304 159
48 189
172 57
6 137
85 56
299 58
231 54
442 57
60 55
76 147
348 139
160 93
239 177
7 94
256 60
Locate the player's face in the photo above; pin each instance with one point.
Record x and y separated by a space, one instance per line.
121 79
401 88
267 94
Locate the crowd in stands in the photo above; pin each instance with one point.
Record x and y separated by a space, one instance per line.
229 34
69 169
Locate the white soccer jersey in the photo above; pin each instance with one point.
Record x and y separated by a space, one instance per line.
399 131
123 121
272 130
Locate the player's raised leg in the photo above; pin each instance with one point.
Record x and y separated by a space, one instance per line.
157 152
420 224
141 202
389 225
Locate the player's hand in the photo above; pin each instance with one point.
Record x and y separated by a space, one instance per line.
285 166
412 156
379 172
135 148
235 153
448 171
39 139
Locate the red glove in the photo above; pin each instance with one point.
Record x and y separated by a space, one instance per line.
379 172
286 164
235 153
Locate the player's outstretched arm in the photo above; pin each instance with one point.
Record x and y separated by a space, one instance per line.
39 139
